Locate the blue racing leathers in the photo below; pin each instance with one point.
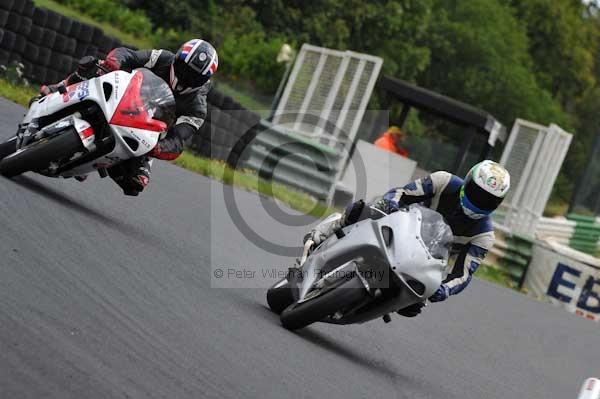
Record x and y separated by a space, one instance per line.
473 238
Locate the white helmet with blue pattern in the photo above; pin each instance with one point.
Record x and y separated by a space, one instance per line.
485 186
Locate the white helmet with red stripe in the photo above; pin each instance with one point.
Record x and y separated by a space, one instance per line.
195 62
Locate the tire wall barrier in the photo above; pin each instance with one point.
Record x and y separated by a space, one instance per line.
49 45
227 131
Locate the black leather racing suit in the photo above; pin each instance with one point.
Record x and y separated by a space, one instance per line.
133 175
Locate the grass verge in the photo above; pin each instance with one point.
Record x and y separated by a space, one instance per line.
16 93
496 276
250 181
108 29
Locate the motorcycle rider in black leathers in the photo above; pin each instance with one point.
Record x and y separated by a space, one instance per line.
188 73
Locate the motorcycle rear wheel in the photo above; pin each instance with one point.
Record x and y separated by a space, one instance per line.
300 315
38 155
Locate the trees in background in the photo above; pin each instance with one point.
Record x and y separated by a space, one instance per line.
536 59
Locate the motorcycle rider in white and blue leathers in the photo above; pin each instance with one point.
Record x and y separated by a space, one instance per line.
466 206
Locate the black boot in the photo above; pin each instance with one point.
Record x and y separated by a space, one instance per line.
411 310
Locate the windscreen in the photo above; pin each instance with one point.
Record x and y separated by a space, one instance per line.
435 232
158 98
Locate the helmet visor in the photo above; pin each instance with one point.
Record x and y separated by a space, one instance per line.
481 198
186 76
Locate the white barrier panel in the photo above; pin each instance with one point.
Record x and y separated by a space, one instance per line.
566 278
383 170
590 389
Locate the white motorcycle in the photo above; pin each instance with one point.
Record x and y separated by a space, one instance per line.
91 126
366 270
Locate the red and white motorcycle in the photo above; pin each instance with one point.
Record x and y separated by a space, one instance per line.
91 126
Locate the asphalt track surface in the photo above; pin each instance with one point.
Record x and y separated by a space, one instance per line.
103 296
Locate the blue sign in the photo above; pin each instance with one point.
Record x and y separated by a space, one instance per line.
589 299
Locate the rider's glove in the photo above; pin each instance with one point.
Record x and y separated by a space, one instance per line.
441 294
324 229
316 236
111 62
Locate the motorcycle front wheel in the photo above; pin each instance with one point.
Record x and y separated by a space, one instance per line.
8 147
300 315
38 155
280 296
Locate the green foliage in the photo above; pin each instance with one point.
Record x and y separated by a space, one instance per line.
250 181
130 21
534 59
485 64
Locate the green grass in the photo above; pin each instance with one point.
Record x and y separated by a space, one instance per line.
17 93
250 181
108 29
496 276
556 208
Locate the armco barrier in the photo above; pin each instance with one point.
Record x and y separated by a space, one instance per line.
586 233
49 45
512 253
291 159
578 232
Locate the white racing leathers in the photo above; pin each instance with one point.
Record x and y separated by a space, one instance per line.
473 238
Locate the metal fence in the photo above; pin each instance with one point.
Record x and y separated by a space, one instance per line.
533 155
327 94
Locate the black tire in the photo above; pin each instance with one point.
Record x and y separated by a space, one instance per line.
32 52
7 147
71 46
4 57
52 20
279 298
86 33
92 50
7 4
44 57
20 43
38 74
8 40
14 58
36 35
39 155
65 25
60 44
18 6
61 63
28 9
13 22
81 49
299 315
25 26
53 76
40 16
49 39
3 18
75 30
